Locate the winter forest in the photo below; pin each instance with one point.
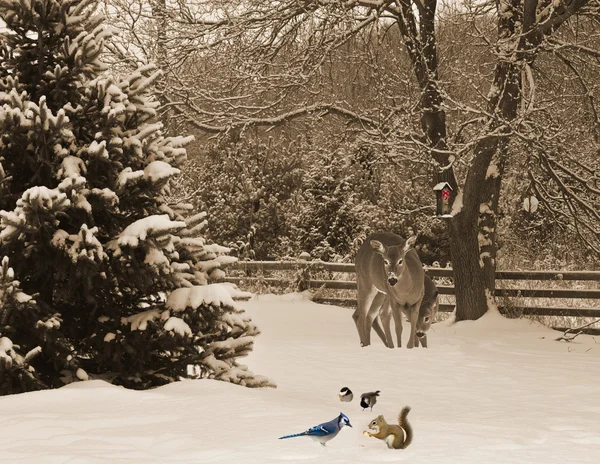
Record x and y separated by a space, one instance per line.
148 149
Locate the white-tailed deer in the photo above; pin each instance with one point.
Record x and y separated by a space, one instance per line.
386 264
427 312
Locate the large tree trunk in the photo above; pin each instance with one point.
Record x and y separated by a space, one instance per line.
473 229
473 288
475 226
469 283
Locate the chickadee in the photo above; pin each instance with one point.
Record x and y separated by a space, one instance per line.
368 400
346 395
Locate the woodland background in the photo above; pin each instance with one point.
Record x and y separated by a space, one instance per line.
307 123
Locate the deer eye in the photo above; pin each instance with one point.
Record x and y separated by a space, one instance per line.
427 319
400 262
386 262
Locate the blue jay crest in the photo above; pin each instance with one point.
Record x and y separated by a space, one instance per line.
344 420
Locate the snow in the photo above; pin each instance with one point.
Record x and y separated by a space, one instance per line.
107 195
156 257
457 206
493 391
150 225
216 248
530 204
50 324
23 297
127 175
98 149
139 321
84 245
159 170
178 325
71 166
441 185
6 351
34 199
492 171
212 294
81 374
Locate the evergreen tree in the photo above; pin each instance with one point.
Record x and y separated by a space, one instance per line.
84 222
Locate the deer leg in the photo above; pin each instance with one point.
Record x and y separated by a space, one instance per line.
364 299
397 313
386 319
423 340
414 315
382 332
367 322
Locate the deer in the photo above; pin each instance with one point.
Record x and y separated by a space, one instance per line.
427 312
387 265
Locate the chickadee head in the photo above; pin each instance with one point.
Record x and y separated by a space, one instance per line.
345 394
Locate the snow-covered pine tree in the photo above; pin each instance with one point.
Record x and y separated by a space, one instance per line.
84 222
38 331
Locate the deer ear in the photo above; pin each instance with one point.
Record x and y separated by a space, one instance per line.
410 242
378 246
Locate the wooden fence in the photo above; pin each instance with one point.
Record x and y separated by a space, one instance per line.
309 274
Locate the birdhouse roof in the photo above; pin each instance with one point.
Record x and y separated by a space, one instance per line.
442 185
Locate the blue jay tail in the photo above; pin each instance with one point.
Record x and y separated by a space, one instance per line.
293 435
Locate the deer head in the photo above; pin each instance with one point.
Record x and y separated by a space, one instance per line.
393 258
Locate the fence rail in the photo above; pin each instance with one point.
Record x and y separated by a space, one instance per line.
309 270
431 271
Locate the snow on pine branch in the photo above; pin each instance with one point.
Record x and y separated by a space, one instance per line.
156 172
7 353
37 205
179 326
159 171
83 245
196 296
142 229
140 321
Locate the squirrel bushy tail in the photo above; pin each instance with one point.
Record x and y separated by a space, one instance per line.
403 422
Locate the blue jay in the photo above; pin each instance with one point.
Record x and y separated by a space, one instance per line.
325 431
368 400
346 395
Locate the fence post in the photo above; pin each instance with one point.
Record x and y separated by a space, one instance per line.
303 276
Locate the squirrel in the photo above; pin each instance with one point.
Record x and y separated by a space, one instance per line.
395 436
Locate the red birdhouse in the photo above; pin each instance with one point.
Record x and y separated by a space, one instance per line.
445 198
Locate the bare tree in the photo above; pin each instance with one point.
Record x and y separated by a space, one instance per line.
237 64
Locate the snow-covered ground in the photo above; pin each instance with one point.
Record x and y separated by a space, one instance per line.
490 391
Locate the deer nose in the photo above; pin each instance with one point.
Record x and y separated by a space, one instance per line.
392 281
420 334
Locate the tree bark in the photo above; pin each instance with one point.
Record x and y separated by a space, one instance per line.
472 286
469 281
473 229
